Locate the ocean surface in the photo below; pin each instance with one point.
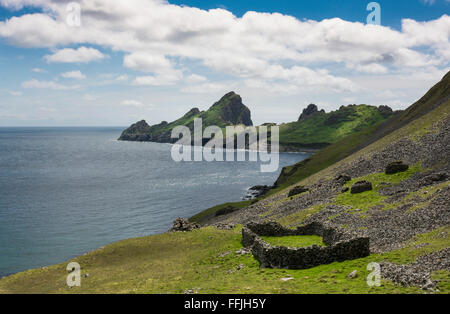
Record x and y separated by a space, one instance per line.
68 191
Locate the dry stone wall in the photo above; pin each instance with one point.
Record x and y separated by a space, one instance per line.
339 246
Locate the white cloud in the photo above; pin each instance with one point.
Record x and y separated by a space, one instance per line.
132 103
80 55
195 78
38 70
46 85
123 77
263 55
15 93
157 37
73 74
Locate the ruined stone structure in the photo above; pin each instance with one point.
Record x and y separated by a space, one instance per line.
339 246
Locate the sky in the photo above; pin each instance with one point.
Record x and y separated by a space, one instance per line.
114 62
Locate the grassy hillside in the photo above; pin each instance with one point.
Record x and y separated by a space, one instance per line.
436 96
393 214
229 110
205 261
322 129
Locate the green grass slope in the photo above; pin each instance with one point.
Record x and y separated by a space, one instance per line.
229 110
205 261
436 97
322 129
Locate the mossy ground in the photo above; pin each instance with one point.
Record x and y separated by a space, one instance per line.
295 241
175 262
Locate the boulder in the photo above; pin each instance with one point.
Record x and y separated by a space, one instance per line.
396 167
182 224
297 190
361 186
343 178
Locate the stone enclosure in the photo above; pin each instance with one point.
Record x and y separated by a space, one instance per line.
339 246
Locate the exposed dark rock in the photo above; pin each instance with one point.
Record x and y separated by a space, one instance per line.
182 224
309 111
343 178
297 190
257 191
385 111
396 167
435 177
361 186
137 132
233 111
345 190
224 226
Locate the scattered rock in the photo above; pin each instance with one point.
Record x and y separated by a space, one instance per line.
240 266
345 189
224 254
287 279
436 177
243 251
297 190
361 186
343 178
182 224
353 274
257 191
396 167
192 291
224 226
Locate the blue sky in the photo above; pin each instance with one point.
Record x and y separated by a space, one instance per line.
148 59
350 10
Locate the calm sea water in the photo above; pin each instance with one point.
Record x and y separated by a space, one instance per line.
67 191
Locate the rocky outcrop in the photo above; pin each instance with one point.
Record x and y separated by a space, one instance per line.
361 186
396 167
232 110
309 111
297 190
229 110
256 191
183 225
138 132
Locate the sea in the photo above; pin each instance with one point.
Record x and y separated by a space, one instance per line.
70 190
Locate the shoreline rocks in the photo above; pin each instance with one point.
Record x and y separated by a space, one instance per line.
183 225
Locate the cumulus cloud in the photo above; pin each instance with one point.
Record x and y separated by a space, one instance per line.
46 85
265 49
132 103
38 70
80 55
73 74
